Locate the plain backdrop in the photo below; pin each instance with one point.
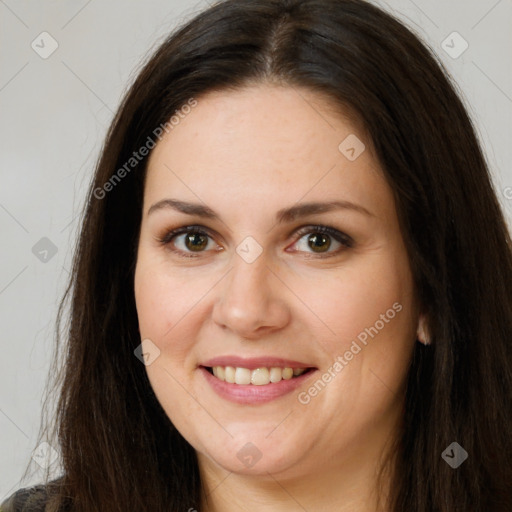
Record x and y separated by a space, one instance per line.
55 110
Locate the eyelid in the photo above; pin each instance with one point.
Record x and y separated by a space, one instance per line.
341 237
338 235
170 234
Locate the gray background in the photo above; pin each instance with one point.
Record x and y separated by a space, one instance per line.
54 116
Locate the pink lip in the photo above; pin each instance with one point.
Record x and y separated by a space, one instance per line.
250 394
254 362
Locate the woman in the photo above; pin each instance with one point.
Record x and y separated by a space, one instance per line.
344 348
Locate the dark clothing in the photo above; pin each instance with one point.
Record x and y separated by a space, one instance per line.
30 499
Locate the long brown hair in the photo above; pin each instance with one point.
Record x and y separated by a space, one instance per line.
119 449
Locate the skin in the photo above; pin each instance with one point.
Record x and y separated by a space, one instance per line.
247 154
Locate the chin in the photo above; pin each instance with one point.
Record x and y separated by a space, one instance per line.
258 457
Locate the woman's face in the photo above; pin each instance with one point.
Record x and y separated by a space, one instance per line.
252 289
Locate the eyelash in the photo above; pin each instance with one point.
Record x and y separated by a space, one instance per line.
345 240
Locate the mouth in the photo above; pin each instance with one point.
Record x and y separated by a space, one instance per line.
256 380
260 376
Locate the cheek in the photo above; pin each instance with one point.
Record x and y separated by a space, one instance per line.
375 325
152 299
346 304
163 303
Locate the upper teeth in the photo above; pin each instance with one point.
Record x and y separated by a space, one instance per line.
258 377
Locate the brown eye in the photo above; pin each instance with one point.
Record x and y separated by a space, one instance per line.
319 242
319 239
191 241
187 240
196 241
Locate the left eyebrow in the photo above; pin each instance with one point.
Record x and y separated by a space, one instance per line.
305 209
285 215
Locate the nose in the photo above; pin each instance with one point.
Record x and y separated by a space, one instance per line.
251 300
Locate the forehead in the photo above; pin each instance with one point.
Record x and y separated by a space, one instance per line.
265 145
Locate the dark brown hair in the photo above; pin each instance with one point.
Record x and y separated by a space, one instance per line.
119 449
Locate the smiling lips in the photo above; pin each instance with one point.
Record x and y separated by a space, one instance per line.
257 377
254 380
